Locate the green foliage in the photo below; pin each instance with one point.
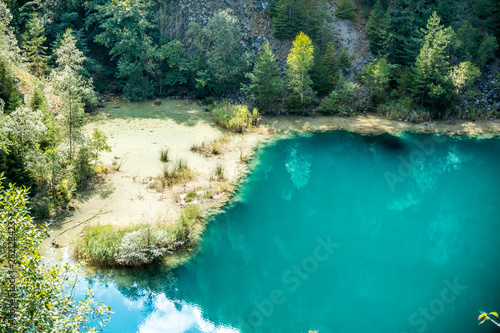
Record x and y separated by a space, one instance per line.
42 303
464 75
234 117
33 40
486 51
266 88
404 111
126 29
407 21
74 89
223 60
341 99
467 41
290 17
98 143
432 84
345 9
179 66
378 29
9 93
324 74
139 244
300 61
377 76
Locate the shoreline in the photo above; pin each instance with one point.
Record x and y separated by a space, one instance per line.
106 203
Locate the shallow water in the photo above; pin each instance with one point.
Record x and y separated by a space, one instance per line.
340 233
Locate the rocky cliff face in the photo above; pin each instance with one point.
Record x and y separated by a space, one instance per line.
257 26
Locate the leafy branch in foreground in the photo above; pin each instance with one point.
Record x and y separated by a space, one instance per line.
43 298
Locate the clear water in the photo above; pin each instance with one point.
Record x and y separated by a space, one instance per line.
340 233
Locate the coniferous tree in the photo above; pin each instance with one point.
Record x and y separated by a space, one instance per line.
407 36
300 61
33 40
345 9
378 29
73 87
432 83
290 17
267 86
325 71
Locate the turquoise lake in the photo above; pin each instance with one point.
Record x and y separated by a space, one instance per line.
336 232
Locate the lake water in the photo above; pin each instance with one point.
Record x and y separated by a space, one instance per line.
340 233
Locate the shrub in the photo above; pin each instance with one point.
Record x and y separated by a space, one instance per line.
218 172
402 111
176 173
234 117
140 244
330 104
164 154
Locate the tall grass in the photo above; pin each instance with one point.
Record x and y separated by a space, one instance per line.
402 111
234 117
164 155
140 244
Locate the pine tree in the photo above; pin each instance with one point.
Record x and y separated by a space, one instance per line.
290 17
266 86
378 29
432 83
33 44
300 61
345 9
325 71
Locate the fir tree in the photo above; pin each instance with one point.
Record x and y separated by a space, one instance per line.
267 86
325 71
33 44
345 9
432 84
378 29
293 16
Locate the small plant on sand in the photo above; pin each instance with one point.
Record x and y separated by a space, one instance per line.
164 155
119 162
178 172
211 148
190 196
219 172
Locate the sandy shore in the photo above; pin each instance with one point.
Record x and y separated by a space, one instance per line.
137 132
374 124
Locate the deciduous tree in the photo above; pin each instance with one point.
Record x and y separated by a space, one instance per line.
37 293
300 61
